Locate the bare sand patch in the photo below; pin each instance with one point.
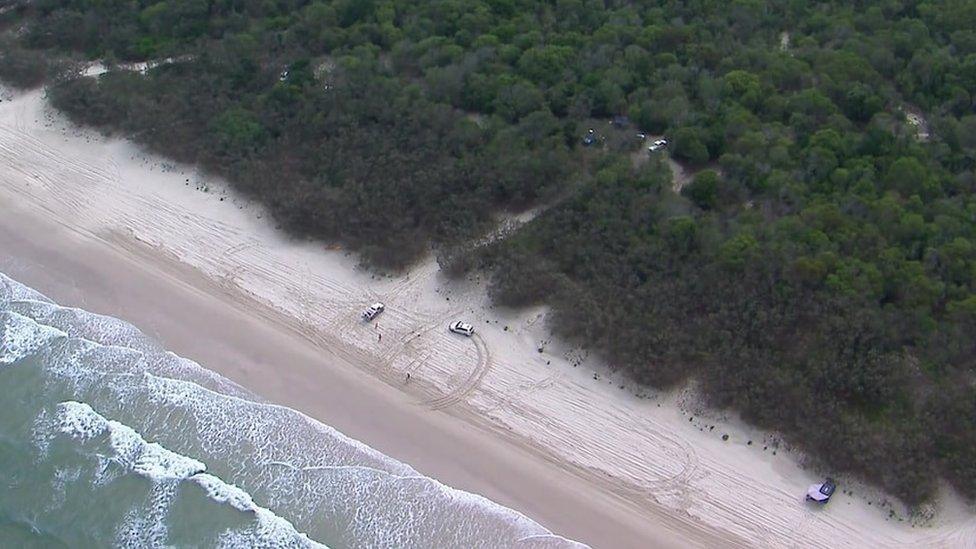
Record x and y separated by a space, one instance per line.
657 455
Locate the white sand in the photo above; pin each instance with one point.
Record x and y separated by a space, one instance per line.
644 450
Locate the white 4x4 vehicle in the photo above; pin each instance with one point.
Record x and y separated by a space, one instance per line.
373 311
462 328
658 145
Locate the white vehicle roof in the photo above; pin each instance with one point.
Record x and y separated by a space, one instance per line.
813 492
376 305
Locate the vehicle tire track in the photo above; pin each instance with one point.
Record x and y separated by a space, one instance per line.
682 452
410 283
418 362
429 326
51 171
470 383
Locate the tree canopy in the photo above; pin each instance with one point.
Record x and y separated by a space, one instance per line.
817 273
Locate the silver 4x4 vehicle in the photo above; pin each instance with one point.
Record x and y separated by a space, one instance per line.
373 311
658 145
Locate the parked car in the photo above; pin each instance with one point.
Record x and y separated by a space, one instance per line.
590 138
658 145
462 328
373 311
821 492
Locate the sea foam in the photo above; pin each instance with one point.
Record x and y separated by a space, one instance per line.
134 454
315 478
20 336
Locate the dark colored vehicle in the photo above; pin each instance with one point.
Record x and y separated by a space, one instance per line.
821 492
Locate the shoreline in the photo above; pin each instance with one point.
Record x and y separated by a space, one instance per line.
547 433
78 271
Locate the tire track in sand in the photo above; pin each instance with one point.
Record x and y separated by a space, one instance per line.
470 383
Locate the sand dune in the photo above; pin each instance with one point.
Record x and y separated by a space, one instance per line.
653 454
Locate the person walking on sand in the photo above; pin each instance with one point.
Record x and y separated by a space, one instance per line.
379 338
408 377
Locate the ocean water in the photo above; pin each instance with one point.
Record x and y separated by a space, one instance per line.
108 440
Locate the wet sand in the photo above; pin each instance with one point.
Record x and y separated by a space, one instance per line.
191 317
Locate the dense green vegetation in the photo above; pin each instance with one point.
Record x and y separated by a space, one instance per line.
817 274
24 68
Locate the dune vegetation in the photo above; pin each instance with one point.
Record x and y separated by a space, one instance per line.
816 272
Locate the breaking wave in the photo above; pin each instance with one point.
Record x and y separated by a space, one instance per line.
109 439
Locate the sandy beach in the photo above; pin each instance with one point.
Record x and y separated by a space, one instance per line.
512 414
